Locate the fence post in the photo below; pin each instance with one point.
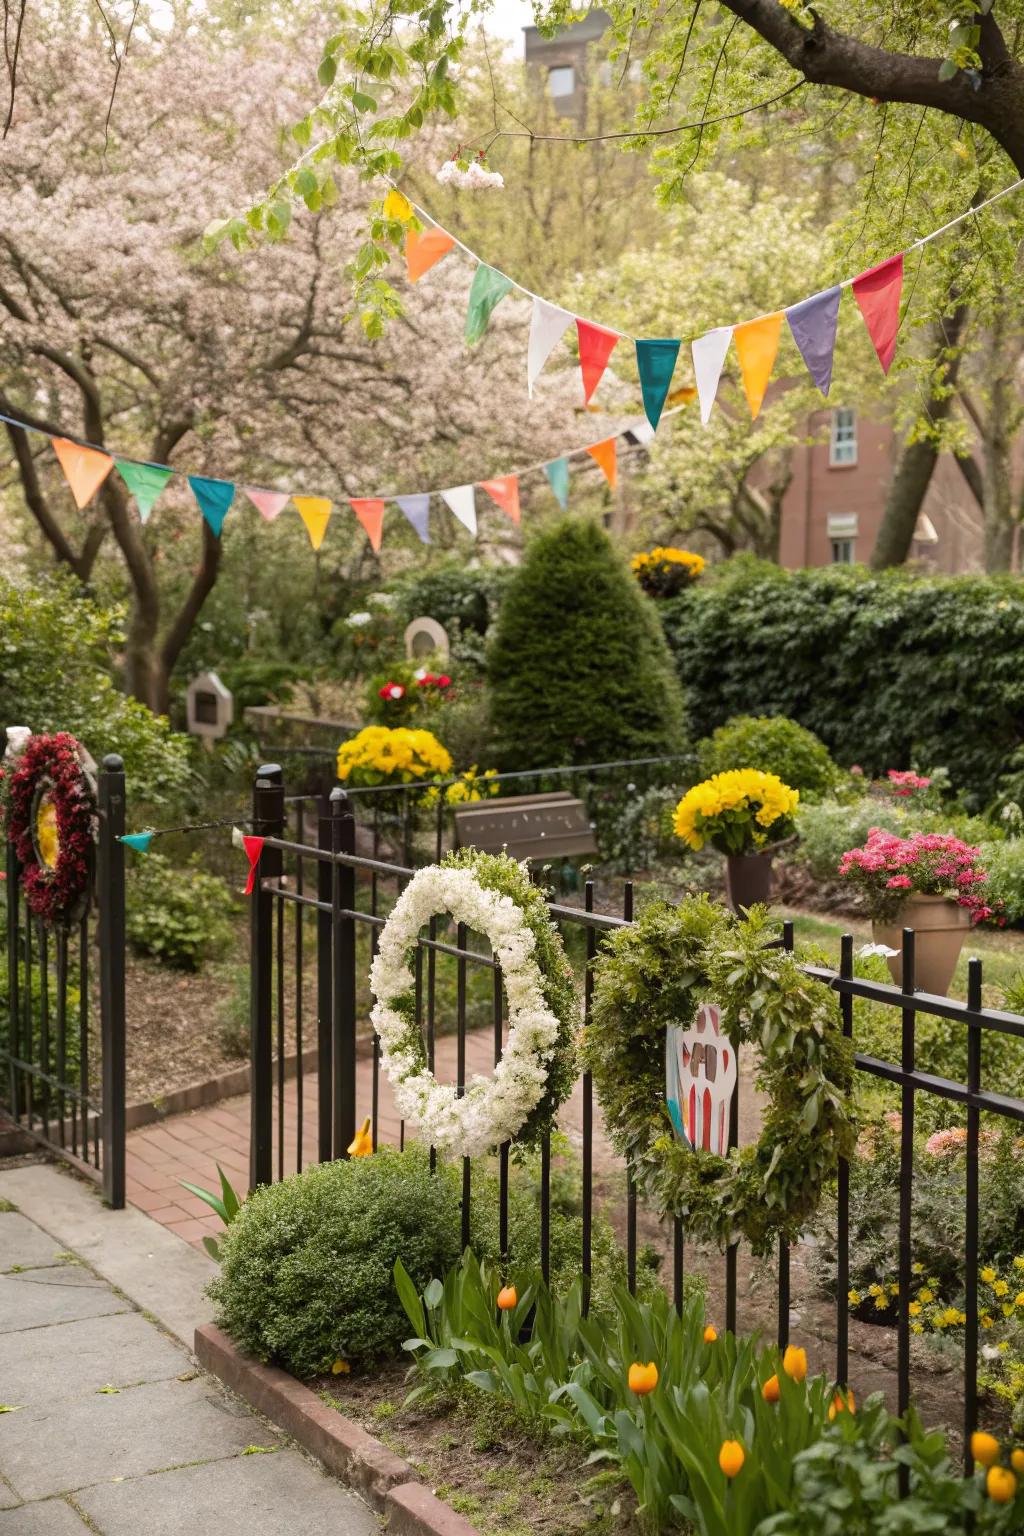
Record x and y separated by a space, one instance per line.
324 984
267 821
112 942
13 958
343 899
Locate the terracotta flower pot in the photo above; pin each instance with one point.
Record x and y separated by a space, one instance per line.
748 879
941 926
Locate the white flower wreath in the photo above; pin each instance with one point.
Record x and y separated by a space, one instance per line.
492 1109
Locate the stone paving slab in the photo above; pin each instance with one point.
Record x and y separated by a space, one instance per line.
69 1360
24 1245
41 1297
53 1517
273 1495
59 1448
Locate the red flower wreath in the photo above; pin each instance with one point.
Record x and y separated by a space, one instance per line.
53 763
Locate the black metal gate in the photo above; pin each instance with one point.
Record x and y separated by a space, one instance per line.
62 1011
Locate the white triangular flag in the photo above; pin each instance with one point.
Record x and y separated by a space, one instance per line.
640 432
462 501
708 361
417 510
548 324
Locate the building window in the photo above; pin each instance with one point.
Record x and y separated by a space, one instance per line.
842 551
842 448
562 80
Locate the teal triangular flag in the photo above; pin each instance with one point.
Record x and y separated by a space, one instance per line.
656 361
558 479
214 498
140 841
144 482
488 290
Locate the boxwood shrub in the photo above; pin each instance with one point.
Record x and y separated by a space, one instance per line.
775 745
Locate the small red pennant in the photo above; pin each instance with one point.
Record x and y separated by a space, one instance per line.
505 491
596 347
253 847
877 291
370 513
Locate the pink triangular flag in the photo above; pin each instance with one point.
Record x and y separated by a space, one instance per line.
877 291
85 469
596 347
505 491
253 847
267 503
370 513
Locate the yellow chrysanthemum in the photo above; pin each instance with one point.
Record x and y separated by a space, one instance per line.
382 753
762 796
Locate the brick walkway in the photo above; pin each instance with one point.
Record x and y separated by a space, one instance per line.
189 1147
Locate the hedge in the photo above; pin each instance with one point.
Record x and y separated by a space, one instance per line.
891 670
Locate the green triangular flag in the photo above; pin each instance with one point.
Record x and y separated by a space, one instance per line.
558 479
140 841
144 481
656 361
488 290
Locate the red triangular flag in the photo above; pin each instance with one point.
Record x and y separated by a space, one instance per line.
596 347
877 291
371 514
606 455
505 491
253 847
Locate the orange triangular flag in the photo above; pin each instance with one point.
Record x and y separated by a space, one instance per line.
422 251
371 514
606 455
85 469
757 342
314 511
505 491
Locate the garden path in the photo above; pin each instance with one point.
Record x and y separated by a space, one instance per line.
108 1427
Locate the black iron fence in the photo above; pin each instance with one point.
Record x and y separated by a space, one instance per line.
62 1010
345 895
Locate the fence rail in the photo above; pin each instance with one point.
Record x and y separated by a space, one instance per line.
349 909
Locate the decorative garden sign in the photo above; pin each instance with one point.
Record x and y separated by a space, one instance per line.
426 637
494 895
650 1003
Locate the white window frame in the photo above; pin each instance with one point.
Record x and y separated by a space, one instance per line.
842 443
843 543
561 69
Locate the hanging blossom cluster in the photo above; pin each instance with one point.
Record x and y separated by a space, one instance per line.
473 174
493 1109
888 869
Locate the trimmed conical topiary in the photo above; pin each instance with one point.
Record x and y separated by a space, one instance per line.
578 666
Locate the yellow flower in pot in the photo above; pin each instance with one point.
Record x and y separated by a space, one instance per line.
741 813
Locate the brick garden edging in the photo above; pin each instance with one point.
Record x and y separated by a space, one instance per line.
387 1482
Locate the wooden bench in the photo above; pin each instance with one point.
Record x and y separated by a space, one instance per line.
546 826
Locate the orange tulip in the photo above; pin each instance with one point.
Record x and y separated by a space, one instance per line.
1001 1485
841 1404
794 1363
361 1144
731 1457
710 1334
1017 1460
507 1298
770 1390
643 1378
984 1448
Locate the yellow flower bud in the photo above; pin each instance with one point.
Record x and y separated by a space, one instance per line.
984 1448
732 1456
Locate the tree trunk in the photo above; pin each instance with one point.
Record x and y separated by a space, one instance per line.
998 495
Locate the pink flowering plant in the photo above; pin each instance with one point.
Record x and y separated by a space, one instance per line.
890 869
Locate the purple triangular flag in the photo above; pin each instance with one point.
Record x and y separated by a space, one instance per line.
813 323
417 510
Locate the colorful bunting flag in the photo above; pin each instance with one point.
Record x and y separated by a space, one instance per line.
596 347
548 324
709 354
505 491
370 513
315 512
757 344
606 456
813 323
558 479
140 841
144 482
877 291
267 503
397 206
85 469
214 498
253 847
417 510
489 288
461 500
656 363
424 250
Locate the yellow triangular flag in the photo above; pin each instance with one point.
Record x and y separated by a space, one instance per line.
757 342
314 511
397 206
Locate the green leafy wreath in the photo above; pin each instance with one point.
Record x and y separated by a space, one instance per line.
656 972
